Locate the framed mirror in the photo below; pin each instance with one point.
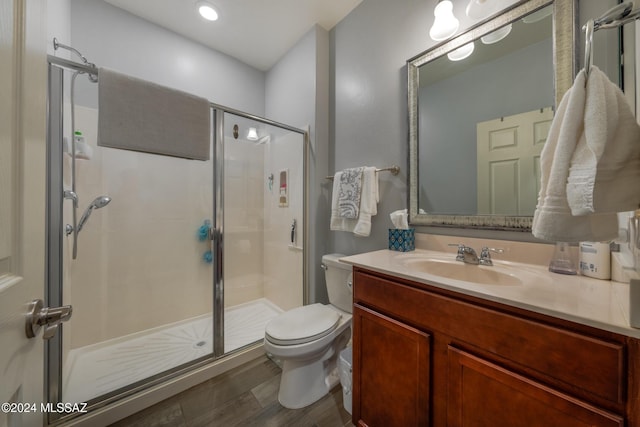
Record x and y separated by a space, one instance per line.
468 117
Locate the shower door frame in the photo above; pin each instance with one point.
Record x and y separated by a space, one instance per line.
218 212
54 282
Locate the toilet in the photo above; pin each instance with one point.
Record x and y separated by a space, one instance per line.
308 339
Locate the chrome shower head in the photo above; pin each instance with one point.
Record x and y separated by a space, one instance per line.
98 202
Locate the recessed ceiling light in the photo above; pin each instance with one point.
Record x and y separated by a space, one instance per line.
207 11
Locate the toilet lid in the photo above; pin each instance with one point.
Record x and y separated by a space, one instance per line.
302 324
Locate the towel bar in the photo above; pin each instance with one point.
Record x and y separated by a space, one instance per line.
395 170
613 18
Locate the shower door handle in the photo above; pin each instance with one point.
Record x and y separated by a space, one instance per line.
50 318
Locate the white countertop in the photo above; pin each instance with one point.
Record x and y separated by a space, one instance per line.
601 304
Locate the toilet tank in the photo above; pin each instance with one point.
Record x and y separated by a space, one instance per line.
337 276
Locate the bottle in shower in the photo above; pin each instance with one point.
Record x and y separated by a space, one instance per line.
83 150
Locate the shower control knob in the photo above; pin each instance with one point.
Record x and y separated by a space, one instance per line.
50 318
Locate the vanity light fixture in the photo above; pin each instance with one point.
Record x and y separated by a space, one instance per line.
207 11
252 135
462 52
497 35
481 9
445 23
477 9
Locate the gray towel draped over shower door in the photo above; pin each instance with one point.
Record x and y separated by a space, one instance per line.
134 114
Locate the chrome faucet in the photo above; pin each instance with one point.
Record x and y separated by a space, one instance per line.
466 254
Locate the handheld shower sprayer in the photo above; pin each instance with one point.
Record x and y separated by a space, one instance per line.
98 202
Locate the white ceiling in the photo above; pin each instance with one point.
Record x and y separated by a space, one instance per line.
257 32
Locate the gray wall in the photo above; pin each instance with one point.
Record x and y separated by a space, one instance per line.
368 106
369 121
58 24
113 38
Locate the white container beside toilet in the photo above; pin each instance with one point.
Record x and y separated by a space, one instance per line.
346 378
308 339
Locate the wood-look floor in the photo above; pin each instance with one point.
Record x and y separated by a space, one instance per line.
244 396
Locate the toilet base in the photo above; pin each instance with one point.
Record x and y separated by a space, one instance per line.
304 382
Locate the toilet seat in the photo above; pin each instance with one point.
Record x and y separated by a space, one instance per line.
302 325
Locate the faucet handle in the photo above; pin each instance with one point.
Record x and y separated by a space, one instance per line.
495 250
485 254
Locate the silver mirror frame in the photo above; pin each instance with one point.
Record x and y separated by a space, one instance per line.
564 60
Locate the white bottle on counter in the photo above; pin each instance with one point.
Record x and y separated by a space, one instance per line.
595 260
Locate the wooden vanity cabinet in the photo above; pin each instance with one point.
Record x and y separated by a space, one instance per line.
424 356
393 351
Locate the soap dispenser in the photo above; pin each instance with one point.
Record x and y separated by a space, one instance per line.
561 261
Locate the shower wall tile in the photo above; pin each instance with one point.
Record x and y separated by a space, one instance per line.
283 264
243 221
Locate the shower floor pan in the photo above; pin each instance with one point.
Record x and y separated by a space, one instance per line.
98 369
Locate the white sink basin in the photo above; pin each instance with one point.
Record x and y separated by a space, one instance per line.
456 270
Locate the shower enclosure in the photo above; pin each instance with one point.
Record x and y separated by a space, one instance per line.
178 262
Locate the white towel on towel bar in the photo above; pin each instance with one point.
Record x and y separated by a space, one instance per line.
360 226
590 164
135 114
605 168
349 192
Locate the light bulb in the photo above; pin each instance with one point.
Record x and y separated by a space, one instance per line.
497 35
462 52
445 24
207 11
477 9
252 135
537 15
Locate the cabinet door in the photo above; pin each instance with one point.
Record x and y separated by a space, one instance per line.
390 372
484 394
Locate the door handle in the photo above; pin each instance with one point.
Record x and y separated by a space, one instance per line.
50 318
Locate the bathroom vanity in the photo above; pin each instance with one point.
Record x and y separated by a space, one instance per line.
531 349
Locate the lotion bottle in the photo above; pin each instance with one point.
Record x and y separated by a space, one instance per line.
595 260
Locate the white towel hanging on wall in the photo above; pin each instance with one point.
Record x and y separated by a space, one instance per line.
590 164
349 192
360 226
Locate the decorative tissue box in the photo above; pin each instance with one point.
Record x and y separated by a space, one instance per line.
402 240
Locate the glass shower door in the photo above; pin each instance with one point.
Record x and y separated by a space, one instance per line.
141 283
263 221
